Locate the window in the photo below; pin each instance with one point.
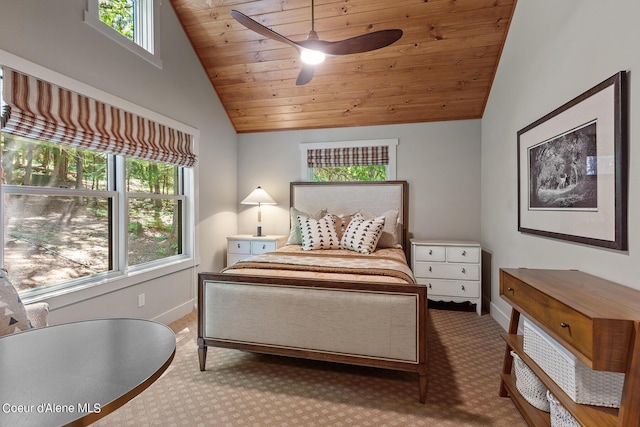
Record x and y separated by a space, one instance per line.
57 212
61 212
132 23
89 191
350 173
154 211
372 160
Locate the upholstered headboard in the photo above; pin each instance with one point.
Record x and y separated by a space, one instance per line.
348 197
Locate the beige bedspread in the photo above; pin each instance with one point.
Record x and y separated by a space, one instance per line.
384 265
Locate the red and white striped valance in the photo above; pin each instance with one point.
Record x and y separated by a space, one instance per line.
41 110
348 156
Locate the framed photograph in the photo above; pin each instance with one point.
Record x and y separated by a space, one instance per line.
572 169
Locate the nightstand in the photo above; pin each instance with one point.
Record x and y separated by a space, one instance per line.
245 245
450 269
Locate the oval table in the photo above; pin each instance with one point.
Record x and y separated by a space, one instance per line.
76 373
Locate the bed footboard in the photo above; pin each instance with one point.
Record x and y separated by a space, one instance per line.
370 324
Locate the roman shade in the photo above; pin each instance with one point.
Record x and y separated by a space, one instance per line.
41 110
348 156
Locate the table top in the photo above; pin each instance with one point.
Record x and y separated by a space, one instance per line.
76 373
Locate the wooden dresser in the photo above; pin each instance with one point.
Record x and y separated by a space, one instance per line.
595 319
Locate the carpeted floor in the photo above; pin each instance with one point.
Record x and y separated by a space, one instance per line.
246 389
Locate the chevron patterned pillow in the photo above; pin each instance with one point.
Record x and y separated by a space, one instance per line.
294 235
318 234
362 235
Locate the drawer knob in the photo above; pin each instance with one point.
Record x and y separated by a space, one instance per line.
564 325
510 290
264 246
429 285
464 271
430 251
238 245
430 270
464 253
463 287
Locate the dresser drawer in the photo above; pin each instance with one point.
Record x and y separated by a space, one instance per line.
452 288
262 247
430 253
463 254
434 270
239 247
233 258
563 322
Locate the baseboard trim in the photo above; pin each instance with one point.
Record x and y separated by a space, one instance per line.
500 316
176 313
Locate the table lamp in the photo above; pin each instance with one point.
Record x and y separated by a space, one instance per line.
258 197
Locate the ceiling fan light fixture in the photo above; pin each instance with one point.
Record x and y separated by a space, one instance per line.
312 57
313 50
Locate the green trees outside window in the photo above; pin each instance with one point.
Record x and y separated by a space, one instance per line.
351 173
63 206
119 15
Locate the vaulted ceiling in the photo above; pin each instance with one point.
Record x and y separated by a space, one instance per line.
441 69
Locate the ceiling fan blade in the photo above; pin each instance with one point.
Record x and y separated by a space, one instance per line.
261 29
358 44
305 75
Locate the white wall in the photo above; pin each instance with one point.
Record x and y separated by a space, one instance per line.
439 160
53 34
554 52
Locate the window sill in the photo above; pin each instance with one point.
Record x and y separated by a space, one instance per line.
58 298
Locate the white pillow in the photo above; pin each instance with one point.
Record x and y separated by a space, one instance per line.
294 235
318 233
361 234
389 237
341 222
13 316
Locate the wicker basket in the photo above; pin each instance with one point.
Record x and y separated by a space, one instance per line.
581 383
529 386
560 417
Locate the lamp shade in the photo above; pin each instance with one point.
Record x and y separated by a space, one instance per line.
258 197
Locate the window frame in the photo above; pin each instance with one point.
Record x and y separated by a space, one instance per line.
180 198
119 220
147 44
102 284
306 172
54 191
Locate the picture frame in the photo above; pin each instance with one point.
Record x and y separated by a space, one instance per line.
572 169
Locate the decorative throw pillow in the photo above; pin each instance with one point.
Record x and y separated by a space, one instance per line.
294 235
389 237
361 234
13 316
318 233
341 222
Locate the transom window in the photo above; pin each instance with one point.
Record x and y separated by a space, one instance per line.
132 23
371 160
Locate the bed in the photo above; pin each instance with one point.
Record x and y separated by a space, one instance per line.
350 303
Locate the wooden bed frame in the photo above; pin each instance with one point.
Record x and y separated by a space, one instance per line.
251 303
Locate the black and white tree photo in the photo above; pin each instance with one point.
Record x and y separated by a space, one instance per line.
563 171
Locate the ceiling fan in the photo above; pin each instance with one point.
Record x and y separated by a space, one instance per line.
313 50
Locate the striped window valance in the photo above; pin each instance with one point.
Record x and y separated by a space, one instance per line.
41 110
348 156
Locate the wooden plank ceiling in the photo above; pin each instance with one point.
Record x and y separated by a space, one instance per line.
441 69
